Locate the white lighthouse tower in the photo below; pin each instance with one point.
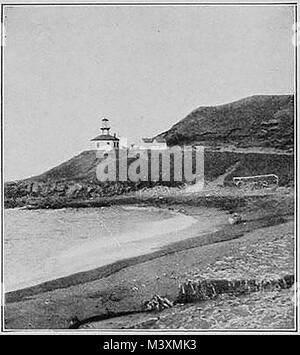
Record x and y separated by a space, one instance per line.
105 141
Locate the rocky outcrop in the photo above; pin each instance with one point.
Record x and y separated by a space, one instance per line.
202 290
58 194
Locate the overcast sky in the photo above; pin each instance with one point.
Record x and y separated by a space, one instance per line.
144 68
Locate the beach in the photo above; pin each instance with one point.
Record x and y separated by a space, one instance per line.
84 239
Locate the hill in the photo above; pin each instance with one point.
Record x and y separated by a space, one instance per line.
256 121
80 167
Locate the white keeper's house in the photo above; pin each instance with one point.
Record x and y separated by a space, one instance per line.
105 141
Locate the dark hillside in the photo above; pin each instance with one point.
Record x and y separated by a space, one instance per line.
216 164
257 121
82 166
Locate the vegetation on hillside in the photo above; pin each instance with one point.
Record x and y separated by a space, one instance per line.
257 121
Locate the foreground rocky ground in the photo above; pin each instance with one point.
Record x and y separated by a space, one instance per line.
264 254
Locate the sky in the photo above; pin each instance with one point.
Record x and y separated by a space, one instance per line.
142 67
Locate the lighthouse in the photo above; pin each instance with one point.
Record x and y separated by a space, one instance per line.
105 126
105 141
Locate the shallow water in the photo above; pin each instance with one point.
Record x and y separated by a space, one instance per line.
40 245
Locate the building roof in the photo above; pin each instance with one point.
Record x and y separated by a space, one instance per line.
151 140
147 140
160 140
105 137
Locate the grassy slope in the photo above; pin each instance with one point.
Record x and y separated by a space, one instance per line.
216 163
262 121
83 166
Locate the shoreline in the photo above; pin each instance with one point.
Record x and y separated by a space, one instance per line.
225 234
143 239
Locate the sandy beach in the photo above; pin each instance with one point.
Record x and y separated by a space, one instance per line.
90 253
149 238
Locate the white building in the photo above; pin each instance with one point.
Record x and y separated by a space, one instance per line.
154 143
105 141
123 143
